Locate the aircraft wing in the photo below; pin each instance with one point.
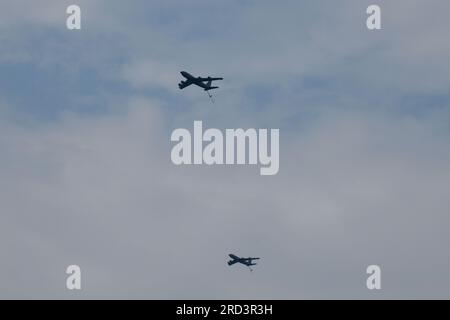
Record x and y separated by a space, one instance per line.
184 84
210 79
231 262
249 261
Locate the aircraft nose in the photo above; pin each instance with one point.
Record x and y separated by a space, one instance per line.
183 73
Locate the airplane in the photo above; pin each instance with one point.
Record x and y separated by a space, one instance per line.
245 261
205 83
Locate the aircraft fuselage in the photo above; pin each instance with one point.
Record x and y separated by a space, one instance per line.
204 83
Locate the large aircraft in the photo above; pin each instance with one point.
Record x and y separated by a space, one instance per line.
245 261
205 83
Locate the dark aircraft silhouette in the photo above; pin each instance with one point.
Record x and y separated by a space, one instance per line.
205 83
245 261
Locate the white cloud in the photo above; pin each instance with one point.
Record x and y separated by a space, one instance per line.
102 193
359 182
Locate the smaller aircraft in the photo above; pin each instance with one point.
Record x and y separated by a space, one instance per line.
205 83
245 261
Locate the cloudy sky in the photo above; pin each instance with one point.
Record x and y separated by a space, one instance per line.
85 170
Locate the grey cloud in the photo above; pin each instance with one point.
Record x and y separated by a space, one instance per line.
364 164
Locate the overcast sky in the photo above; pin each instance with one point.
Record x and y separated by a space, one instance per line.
85 170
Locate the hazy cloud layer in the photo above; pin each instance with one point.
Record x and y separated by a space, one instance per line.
85 170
